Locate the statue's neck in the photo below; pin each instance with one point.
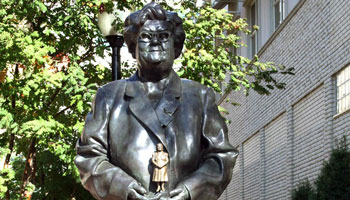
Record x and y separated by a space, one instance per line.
152 75
154 90
155 87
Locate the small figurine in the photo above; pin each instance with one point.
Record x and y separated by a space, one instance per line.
160 173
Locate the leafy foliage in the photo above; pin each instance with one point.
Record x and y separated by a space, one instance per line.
48 76
304 191
210 58
209 52
334 179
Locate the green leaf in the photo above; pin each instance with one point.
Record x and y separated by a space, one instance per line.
41 6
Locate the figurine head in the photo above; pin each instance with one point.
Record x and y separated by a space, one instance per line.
154 37
159 147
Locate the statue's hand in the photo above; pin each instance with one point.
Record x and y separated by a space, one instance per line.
179 193
136 191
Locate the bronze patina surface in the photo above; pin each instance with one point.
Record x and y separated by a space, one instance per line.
130 117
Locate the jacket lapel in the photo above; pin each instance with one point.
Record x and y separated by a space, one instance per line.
139 104
170 100
142 109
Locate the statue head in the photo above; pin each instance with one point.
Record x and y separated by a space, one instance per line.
155 37
159 147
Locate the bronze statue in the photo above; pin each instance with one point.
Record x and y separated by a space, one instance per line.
160 173
130 117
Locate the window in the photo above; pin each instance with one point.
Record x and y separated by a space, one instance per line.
343 90
254 35
279 11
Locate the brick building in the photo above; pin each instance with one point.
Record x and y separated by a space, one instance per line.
284 138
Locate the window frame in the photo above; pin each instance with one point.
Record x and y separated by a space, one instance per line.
342 87
282 12
253 13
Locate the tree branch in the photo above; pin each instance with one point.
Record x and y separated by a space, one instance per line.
62 111
52 98
89 52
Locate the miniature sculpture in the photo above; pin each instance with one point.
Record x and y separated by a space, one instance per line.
160 173
130 117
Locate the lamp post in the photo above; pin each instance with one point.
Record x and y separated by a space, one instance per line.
105 21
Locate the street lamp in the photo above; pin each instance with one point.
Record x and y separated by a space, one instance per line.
105 21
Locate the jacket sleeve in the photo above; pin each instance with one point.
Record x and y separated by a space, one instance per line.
100 177
215 171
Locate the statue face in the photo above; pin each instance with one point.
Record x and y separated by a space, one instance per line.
155 47
160 147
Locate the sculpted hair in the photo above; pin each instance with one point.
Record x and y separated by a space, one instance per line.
153 11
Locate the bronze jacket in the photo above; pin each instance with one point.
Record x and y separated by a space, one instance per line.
122 130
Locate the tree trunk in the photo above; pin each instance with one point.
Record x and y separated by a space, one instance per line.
29 170
7 160
8 156
12 137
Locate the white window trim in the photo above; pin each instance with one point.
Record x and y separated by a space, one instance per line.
346 82
254 35
283 11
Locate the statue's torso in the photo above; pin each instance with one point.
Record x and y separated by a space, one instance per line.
132 143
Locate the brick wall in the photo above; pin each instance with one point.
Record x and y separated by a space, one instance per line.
308 136
342 126
293 130
276 159
251 165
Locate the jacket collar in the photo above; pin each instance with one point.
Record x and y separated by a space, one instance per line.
173 88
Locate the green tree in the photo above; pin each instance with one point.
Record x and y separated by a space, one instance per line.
333 182
304 191
48 78
334 179
209 58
